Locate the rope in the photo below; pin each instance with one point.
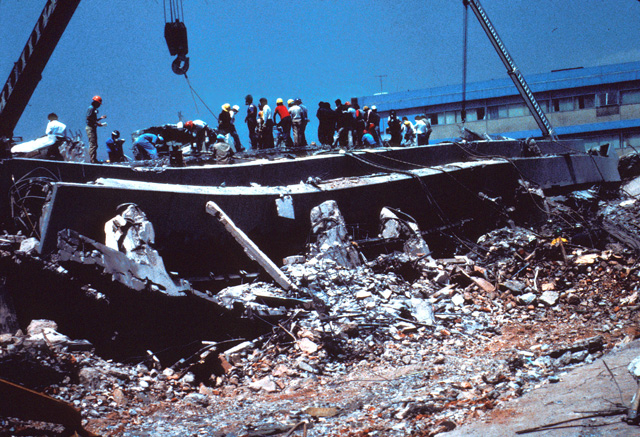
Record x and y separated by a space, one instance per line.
193 91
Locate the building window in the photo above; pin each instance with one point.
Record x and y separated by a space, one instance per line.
607 99
585 102
441 118
560 105
544 105
517 110
493 112
631 140
475 114
433 119
630 97
450 117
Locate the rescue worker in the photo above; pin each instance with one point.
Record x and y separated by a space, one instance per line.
340 127
222 150
202 133
114 147
423 129
145 147
305 120
374 119
368 140
285 121
394 129
267 118
252 121
234 133
409 134
224 120
327 123
93 121
297 123
59 133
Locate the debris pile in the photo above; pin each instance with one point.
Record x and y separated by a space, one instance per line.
403 344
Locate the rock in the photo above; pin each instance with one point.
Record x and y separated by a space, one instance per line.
29 245
362 294
90 377
265 384
307 346
442 277
306 367
549 298
634 368
458 300
516 287
197 399
119 397
39 325
526 299
580 356
422 311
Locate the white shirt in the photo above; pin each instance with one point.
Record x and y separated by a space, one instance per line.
267 114
199 124
54 127
421 127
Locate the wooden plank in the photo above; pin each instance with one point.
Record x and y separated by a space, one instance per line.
250 248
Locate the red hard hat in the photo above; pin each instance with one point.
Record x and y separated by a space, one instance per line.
97 99
189 124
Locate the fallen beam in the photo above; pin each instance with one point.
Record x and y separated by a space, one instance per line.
250 248
23 403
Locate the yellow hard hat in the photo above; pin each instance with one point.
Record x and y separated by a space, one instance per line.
407 122
226 106
290 101
278 101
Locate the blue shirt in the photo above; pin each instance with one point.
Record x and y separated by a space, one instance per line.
367 140
145 146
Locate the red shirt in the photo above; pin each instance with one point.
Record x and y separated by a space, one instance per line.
282 111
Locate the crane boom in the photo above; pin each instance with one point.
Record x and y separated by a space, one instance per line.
512 69
27 72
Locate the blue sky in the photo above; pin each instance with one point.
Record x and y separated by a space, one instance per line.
312 49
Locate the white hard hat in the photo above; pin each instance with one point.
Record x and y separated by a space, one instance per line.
374 107
236 108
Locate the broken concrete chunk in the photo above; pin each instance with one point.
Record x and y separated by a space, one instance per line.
404 228
549 298
526 299
422 311
28 246
332 239
307 346
634 368
458 300
38 326
516 287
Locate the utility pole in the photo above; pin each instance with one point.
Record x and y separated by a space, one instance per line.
380 76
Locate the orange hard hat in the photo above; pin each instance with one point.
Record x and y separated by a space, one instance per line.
189 124
97 99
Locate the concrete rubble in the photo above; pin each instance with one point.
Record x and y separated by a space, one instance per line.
405 343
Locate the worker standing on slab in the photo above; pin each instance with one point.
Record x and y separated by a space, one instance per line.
423 129
374 119
267 133
93 121
394 129
224 120
409 134
297 123
285 121
305 120
234 133
252 121
327 123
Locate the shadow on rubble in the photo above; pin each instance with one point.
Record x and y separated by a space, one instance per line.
127 323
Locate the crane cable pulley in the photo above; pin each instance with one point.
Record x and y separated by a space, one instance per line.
175 33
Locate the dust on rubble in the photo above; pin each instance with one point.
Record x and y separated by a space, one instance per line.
378 354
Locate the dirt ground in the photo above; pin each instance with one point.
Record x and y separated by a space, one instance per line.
584 389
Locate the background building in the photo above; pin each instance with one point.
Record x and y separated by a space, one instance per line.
598 104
